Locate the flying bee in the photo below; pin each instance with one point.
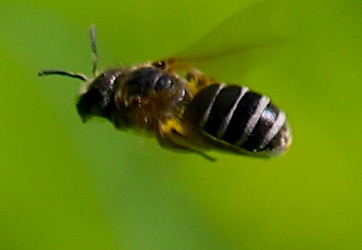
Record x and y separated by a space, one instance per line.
191 113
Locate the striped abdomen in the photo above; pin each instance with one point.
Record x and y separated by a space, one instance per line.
240 117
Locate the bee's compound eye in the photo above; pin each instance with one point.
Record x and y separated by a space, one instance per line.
159 64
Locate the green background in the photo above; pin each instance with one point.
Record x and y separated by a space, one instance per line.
66 185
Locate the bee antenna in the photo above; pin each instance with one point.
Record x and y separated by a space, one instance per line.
92 33
63 73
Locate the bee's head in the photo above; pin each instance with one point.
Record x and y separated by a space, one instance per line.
98 97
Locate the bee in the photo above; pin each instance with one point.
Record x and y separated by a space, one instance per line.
187 113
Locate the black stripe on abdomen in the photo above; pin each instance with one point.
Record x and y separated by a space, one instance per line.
241 117
265 122
197 112
219 116
236 115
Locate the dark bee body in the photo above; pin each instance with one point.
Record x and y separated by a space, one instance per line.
146 96
239 117
192 113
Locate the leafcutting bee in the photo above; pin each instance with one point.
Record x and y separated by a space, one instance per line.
189 113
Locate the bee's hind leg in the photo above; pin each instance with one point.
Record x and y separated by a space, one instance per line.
171 135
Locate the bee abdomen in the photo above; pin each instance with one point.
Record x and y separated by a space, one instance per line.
240 117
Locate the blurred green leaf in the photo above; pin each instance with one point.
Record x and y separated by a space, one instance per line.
66 185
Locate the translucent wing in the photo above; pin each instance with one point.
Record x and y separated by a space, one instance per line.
251 36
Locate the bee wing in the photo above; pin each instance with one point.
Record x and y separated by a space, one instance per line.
252 35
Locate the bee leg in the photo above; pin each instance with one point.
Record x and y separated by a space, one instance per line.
171 135
197 80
